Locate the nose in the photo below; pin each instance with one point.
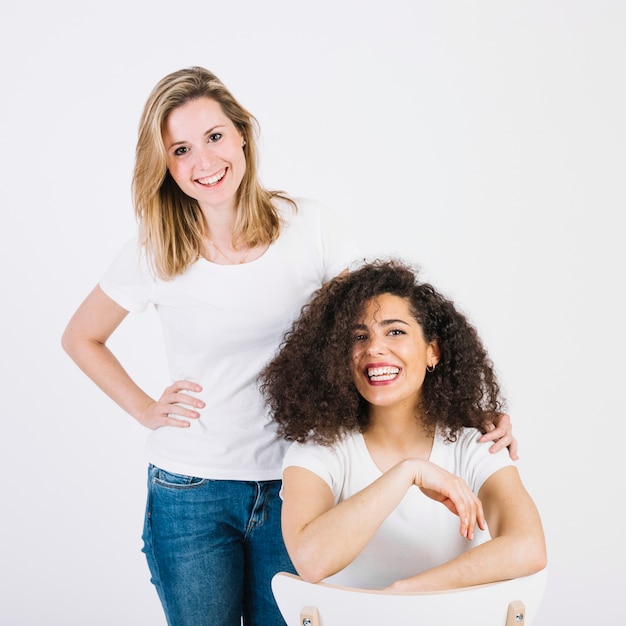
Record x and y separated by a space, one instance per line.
376 345
205 157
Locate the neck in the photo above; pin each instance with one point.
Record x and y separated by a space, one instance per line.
218 243
400 434
219 221
225 253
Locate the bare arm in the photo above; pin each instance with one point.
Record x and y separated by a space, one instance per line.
85 339
517 547
322 538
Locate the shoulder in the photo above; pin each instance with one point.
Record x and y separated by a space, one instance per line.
307 209
299 453
464 438
300 208
313 231
128 279
469 458
469 447
326 461
131 253
468 438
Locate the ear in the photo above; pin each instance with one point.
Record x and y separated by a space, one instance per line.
433 353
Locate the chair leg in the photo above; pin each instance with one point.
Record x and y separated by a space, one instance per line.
309 616
516 614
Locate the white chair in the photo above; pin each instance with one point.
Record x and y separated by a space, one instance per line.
507 603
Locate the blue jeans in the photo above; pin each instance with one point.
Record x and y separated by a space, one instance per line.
212 547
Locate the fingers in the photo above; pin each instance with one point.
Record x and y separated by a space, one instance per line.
454 493
500 444
500 431
506 441
513 450
476 517
498 426
175 407
470 511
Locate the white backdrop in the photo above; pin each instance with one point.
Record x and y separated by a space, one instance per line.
483 140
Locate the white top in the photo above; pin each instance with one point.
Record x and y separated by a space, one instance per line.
420 533
221 325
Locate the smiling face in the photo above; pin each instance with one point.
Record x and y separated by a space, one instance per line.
204 153
390 355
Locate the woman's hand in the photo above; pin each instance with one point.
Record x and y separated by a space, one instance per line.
453 492
171 407
500 431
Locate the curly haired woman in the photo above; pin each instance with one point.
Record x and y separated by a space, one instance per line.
384 388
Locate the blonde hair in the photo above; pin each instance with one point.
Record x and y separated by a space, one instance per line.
171 223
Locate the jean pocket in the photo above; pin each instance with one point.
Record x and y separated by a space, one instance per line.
176 481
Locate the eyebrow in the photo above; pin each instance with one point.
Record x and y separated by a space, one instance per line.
389 322
205 135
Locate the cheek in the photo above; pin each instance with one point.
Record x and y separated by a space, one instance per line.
239 160
357 373
173 167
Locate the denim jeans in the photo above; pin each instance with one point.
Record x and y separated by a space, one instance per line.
212 547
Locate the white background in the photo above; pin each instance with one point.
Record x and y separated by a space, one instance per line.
483 140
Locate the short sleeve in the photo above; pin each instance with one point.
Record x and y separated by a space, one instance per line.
340 249
128 280
317 459
474 462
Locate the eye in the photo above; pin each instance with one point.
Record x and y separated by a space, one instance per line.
358 337
396 331
213 137
180 151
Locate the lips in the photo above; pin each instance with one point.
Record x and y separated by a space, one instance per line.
211 181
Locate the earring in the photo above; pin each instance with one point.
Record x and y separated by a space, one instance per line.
243 143
430 368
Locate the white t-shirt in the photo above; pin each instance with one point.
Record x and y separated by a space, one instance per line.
221 325
420 533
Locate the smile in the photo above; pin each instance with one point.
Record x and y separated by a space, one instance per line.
210 181
379 374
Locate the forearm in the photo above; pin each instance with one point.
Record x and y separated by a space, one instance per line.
100 364
501 558
335 538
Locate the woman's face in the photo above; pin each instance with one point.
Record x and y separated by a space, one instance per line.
389 354
204 153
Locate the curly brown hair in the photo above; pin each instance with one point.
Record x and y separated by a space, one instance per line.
309 386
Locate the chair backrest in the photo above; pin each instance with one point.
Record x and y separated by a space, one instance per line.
507 603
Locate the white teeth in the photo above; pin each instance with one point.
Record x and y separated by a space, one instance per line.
382 373
212 180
